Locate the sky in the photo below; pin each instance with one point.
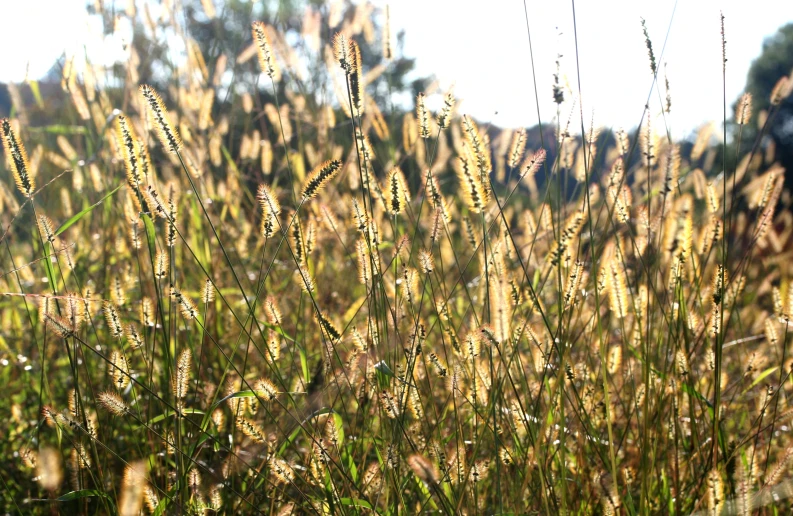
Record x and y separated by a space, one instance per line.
481 49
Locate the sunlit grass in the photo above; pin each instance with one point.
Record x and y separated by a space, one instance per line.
258 299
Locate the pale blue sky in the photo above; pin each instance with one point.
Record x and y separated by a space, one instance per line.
481 48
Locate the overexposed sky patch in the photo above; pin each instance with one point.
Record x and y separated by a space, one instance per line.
481 48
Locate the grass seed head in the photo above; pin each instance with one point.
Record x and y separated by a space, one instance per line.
158 114
267 61
17 158
319 178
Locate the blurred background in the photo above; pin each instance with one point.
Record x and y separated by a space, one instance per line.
481 50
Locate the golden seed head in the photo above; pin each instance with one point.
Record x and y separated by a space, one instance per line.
389 404
47 228
573 282
715 492
119 370
59 325
478 147
396 192
130 152
186 305
470 181
355 79
329 329
49 470
532 164
133 489
743 111
267 60
445 116
29 457
134 337
342 51
319 178
426 261
780 91
169 137
266 389
181 378
208 292
273 312
161 264
112 402
281 470
713 198
388 52
17 158
304 279
251 429
113 319
422 116
516 147
410 285
147 312
270 210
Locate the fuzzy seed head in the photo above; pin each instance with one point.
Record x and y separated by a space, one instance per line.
181 379
119 370
112 402
355 80
267 60
134 337
319 178
266 389
388 52
147 312
113 319
130 153
161 265
17 159
780 91
328 327
426 261
49 470
281 470
47 229
272 311
271 208
396 193
342 51
445 116
532 164
470 181
169 137
304 279
516 147
743 111
251 429
422 116
186 305
715 488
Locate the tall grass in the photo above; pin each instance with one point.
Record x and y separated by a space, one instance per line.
251 298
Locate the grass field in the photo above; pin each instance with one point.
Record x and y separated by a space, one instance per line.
267 299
